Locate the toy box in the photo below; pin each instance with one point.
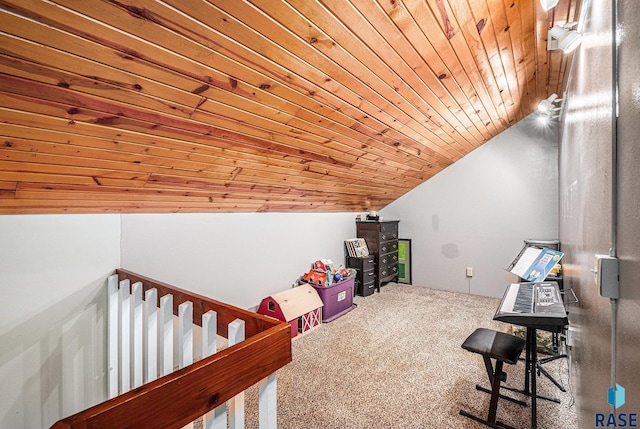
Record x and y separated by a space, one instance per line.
337 299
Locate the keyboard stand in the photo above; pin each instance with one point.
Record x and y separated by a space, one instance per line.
538 370
544 372
549 317
555 348
531 364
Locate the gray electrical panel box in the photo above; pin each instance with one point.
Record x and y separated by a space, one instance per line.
607 276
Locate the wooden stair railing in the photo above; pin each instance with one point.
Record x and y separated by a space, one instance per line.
178 398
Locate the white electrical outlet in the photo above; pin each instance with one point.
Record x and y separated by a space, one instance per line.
469 272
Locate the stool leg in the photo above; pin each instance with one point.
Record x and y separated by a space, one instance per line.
495 378
489 367
495 393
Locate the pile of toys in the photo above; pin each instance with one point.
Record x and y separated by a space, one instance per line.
324 273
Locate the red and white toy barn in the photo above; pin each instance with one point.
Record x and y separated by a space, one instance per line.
300 306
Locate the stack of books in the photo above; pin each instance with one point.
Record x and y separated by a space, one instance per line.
356 247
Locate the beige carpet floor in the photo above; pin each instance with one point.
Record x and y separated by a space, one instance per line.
395 361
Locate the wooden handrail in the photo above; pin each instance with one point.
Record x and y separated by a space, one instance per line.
178 398
227 313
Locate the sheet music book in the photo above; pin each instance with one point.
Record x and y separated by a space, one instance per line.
533 264
357 247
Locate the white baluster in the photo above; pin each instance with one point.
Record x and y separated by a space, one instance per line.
209 333
220 417
185 338
151 334
185 334
236 404
125 336
166 334
210 347
112 311
136 295
268 403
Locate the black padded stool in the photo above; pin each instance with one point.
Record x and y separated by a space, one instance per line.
503 348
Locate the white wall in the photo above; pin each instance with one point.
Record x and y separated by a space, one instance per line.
52 281
477 212
237 258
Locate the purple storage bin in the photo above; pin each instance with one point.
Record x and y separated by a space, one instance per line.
337 299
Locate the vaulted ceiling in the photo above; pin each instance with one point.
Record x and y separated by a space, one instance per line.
258 105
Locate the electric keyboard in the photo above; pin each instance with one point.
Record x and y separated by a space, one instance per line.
536 305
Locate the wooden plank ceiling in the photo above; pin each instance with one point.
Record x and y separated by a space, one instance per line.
257 105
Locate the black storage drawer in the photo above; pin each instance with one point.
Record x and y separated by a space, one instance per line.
391 235
362 264
365 274
389 246
366 289
388 260
388 274
368 276
389 227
